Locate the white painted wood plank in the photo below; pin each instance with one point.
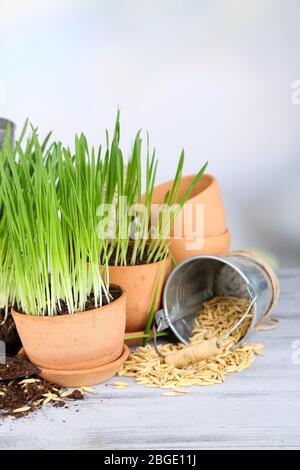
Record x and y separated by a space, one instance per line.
258 408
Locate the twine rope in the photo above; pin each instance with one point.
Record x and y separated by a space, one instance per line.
266 323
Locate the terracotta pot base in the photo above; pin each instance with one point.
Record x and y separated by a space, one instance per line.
217 246
139 283
81 341
135 341
78 378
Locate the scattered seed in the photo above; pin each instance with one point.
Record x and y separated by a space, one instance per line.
38 402
22 410
28 381
181 390
50 396
171 394
120 384
206 383
65 394
215 320
88 389
15 399
47 400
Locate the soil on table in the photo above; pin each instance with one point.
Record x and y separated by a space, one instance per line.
9 334
21 396
16 367
76 395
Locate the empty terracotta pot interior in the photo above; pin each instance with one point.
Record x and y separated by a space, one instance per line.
76 341
139 282
206 193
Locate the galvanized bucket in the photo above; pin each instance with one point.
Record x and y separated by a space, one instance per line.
197 279
3 126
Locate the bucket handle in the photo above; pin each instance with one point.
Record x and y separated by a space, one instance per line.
155 331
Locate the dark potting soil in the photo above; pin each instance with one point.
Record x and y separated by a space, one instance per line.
114 291
129 253
62 309
21 396
9 334
16 367
76 395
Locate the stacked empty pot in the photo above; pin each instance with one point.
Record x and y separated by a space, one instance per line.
211 236
4 123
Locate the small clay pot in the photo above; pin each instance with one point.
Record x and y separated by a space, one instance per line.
139 283
206 192
214 234
138 341
216 246
3 126
78 341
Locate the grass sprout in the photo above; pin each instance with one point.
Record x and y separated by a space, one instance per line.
67 214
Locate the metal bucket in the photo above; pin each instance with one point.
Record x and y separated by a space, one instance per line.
200 278
3 126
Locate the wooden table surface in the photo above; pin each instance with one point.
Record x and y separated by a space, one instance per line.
257 408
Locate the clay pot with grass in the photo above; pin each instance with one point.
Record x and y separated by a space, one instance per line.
140 282
72 350
70 319
139 256
8 333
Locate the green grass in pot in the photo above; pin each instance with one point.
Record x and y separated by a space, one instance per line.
48 201
127 181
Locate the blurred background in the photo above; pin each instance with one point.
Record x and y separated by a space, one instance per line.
217 77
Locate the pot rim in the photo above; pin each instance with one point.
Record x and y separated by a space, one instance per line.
68 316
69 373
4 122
211 180
147 265
209 237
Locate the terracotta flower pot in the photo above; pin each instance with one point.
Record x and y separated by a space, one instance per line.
206 192
139 283
212 246
79 341
134 341
216 236
3 125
